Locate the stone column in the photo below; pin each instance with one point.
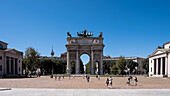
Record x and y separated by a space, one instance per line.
77 63
153 66
161 68
4 66
92 63
157 66
14 66
166 65
21 70
68 63
9 65
101 62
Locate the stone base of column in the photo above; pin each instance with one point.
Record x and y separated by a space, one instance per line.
157 76
77 72
68 71
92 73
101 73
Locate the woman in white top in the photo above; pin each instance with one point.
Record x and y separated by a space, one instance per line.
110 81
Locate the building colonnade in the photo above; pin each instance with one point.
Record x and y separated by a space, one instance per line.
11 65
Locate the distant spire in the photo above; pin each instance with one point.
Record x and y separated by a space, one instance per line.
52 52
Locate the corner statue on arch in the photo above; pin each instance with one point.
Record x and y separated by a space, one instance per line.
85 44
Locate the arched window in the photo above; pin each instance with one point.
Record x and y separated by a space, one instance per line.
1 47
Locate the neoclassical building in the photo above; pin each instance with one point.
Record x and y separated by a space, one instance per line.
138 60
10 61
159 62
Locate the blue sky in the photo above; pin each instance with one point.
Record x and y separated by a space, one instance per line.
130 27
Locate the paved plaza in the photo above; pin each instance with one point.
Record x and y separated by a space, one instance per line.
46 86
84 92
80 83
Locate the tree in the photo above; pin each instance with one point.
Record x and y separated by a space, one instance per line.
81 67
145 65
87 68
31 59
73 66
58 66
159 47
114 69
121 65
131 65
107 66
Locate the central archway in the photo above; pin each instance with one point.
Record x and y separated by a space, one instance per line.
85 58
93 46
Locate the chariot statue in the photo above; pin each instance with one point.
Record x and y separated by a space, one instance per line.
84 34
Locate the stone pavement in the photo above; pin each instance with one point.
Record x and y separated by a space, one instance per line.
83 92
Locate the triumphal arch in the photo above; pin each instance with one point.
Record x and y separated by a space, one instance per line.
84 43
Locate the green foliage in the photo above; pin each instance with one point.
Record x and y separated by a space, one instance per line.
159 47
31 59
58 66
73 66
87 68
131 65
114 69
81 67
121 65
107 66
145 65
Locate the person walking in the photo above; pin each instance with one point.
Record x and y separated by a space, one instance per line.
69 77
55 77
107 82
63 76
110 81
128 81
83 76
59 78
88 78
135 81
98 77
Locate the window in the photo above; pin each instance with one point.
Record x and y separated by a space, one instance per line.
0 57
1 47
19 69
19 61
151 61
0 67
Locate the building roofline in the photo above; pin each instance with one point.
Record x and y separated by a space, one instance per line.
4 42
166 43
115 58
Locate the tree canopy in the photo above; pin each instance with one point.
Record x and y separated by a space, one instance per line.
31 59
145 65
58 66
121 65
131 65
